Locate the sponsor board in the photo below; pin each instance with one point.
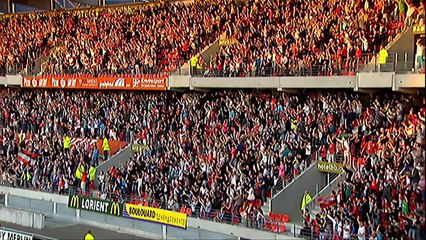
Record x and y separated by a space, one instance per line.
11 235
137 148
147 82
95 205
150 214
330 167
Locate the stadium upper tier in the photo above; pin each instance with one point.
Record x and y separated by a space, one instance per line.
263 36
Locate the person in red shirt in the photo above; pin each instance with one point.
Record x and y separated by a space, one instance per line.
84 181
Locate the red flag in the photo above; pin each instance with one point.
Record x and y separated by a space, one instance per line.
327 201
27 157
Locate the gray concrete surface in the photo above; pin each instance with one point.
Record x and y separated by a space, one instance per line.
62 229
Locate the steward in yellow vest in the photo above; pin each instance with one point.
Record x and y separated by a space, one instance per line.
106 148
67 143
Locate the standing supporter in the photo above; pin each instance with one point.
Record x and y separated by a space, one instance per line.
106 148
224 146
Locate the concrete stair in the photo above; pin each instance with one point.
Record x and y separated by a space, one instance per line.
266 207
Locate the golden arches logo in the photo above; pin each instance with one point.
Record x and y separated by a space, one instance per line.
75 201
115 209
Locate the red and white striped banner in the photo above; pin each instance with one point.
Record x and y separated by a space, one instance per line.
27 157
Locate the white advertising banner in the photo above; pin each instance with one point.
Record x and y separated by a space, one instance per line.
10 235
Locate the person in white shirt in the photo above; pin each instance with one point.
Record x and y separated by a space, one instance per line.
361 231
347 230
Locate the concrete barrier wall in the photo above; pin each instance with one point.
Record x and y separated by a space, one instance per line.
196 227
372 80
347 82
409 81
22 217
375 80
13 80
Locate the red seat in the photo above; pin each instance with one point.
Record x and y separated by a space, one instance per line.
282 228
267 226
182 209
285 218
235 220
268 194
189 212
278 217
274 227
272 216
146 204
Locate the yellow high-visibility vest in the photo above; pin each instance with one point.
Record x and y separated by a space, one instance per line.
105 145
89 237
67 142
28 176
194 61
293 124
20 135
305 200
383 56
92 174
79 172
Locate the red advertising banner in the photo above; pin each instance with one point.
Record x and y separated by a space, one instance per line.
158 82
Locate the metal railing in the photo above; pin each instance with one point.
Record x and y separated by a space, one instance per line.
13 69
396 62
289 178
233 217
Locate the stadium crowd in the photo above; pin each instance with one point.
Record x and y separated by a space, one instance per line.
308 37
267 37
217 152
383 193
141 39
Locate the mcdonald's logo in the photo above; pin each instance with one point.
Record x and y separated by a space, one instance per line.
115 209
74 201
95 205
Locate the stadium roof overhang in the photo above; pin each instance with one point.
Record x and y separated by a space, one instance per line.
7 6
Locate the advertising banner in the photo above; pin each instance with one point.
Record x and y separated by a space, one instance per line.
330 167
95 205
227 42
11 235
150 214
137 148
151 82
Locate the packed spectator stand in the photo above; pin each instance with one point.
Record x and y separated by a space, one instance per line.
265 37
201 148
217 155
146 38
383 192
308 38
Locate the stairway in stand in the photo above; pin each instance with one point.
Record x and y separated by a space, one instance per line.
265 208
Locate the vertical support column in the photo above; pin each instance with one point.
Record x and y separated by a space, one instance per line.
55 207
164 232
395 66
6 199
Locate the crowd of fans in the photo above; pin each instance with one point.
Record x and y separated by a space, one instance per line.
307 37
147 38
267 37
218 152
384 189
